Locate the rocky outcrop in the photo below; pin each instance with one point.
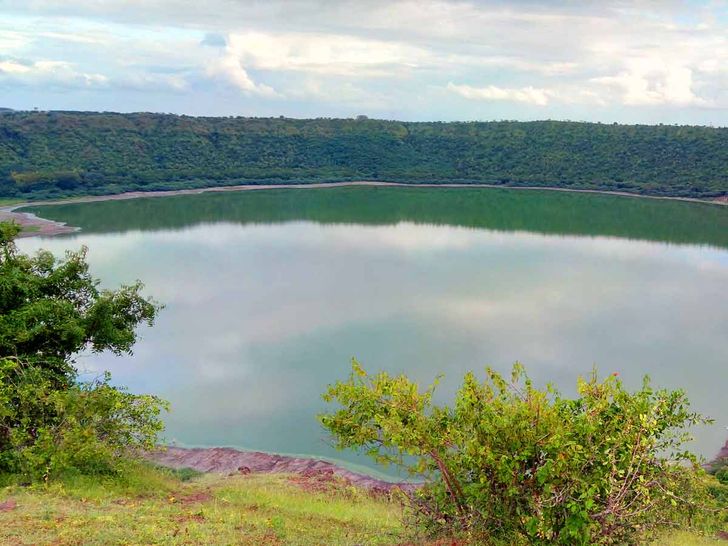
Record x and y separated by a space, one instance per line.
226 460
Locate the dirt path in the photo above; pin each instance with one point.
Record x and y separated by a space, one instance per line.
34 225
226 460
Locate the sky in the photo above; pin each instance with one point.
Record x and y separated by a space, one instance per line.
608 61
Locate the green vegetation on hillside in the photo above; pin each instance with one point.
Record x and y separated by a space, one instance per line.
45 154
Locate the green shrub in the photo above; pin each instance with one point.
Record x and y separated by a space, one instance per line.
90 428
51 310
721 472
510 462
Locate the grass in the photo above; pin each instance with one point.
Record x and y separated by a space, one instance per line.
688 539
156 506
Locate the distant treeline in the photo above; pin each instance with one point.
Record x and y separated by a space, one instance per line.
50 154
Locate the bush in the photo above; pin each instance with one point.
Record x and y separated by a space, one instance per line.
51 310
510 462
90 428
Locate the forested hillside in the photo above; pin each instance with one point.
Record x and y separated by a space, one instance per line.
47 154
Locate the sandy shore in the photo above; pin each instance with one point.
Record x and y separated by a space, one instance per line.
34 225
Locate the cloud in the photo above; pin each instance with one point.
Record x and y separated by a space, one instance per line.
68 37
214 39
13 67
330 54
230 68
547 68
151 81
635 61
528 95
649 81
49 71
11 40
311 55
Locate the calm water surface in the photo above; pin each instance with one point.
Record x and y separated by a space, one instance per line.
269 294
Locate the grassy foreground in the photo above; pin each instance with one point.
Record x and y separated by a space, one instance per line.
152 506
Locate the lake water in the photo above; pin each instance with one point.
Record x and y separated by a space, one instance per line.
269 294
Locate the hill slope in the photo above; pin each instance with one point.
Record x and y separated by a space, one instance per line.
44 154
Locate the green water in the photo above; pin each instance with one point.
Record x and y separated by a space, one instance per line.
269 294
547 212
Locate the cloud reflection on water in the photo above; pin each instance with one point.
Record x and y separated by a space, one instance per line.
259 318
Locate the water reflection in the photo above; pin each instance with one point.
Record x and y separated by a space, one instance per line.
260 318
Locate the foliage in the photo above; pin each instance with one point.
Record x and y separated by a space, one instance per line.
51 309
51 423
510 461
46 154
722 475
87 427
150 505
719 469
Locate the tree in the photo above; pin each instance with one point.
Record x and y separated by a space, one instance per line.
50 422
51 309
514 463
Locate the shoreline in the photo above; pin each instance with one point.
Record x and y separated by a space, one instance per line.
36 226
228 460
231 461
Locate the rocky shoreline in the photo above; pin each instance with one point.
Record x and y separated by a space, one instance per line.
227 460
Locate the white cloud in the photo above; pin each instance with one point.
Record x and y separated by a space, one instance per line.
231 68
320 55
552 68
13 67
528 95
11 40
323 54
396 56
71 37
146 81
49 71
649 81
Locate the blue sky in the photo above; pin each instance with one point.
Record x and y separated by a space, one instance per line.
641 62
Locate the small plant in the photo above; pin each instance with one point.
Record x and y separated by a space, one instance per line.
510 462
